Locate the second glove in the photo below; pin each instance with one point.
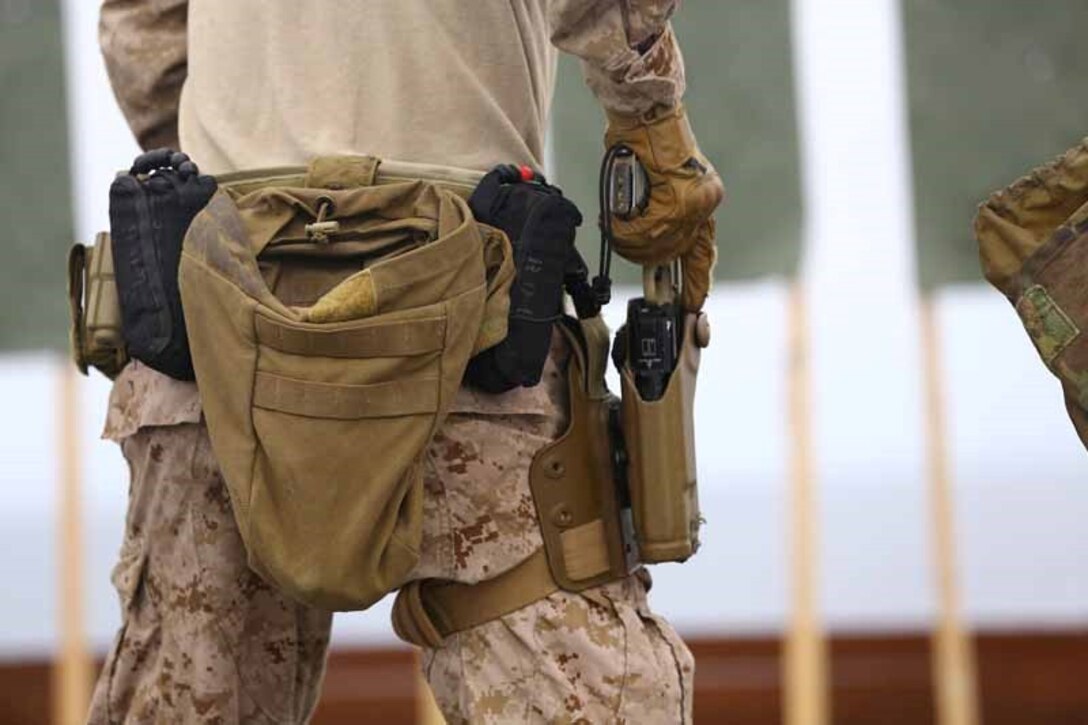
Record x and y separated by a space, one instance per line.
684 187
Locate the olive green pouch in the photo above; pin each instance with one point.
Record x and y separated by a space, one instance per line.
660 440
94 331
1033 244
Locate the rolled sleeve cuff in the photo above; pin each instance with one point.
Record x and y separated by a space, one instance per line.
641 85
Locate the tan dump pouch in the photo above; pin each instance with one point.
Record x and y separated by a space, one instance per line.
94 331
330 328
660 438
1033 243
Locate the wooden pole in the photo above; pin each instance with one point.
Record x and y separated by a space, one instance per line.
805 661
952 652
72 671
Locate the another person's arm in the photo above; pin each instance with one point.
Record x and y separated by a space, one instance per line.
144 45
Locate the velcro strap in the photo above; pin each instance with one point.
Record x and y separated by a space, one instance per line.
388 339
345 402
429 610
585 550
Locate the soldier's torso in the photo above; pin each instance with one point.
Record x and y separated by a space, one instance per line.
279 82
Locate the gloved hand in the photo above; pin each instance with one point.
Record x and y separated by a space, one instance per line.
151 208
697 268
684 188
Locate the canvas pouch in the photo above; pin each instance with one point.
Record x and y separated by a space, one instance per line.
330 325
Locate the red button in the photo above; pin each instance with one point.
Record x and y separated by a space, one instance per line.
526 173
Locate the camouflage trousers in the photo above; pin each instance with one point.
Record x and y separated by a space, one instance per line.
204 639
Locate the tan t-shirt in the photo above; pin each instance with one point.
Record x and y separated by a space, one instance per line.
465 85
273 82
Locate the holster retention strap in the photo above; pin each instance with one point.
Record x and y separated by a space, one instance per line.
429 610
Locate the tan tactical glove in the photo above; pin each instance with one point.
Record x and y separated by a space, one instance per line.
697 268
684 187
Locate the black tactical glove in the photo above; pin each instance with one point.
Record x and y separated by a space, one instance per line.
541 224
151 208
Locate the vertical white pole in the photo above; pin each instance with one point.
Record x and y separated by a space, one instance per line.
84 72
804 665
72 671
952 654
859 302
859 272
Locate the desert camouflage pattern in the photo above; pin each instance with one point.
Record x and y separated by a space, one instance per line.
630 57
203 638
599 656
142 397
144 45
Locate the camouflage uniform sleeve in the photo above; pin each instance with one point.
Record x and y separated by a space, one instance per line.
630 56
144 46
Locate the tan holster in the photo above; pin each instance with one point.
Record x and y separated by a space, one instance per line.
660 440
597 526
94 332
579 504
579 496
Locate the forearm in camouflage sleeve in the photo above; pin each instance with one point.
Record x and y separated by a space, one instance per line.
144 45
629 53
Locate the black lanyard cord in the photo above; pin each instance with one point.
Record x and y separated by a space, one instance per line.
602 283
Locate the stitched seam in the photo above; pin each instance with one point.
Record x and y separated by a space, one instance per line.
626 653
652 620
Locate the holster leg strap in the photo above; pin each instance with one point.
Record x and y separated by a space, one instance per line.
427 611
